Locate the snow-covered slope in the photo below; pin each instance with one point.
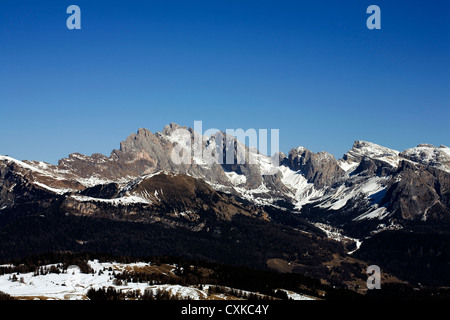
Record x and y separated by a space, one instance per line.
370 150
427 154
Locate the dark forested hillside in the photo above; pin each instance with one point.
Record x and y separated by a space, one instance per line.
241 241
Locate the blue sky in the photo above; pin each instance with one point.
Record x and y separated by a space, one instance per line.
311 69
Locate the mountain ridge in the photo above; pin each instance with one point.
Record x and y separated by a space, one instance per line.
302 176
371 194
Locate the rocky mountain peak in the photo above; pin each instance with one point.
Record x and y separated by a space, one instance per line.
320 168
171 127
364 149
137 141
428 154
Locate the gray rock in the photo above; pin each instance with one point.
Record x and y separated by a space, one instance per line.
320 168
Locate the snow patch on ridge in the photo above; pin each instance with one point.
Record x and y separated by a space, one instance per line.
347 166
126 200
427 154
343 194
54 190
24 165
378 212
259 195
301 191
374 151
236 179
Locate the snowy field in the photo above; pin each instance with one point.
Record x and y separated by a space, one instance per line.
74 285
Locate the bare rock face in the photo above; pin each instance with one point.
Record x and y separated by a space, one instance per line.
140 153
420 193
369 167
12 183
151 152
320 168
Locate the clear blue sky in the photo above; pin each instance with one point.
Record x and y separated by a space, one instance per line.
311 69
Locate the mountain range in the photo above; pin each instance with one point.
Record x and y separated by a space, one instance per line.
317 215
